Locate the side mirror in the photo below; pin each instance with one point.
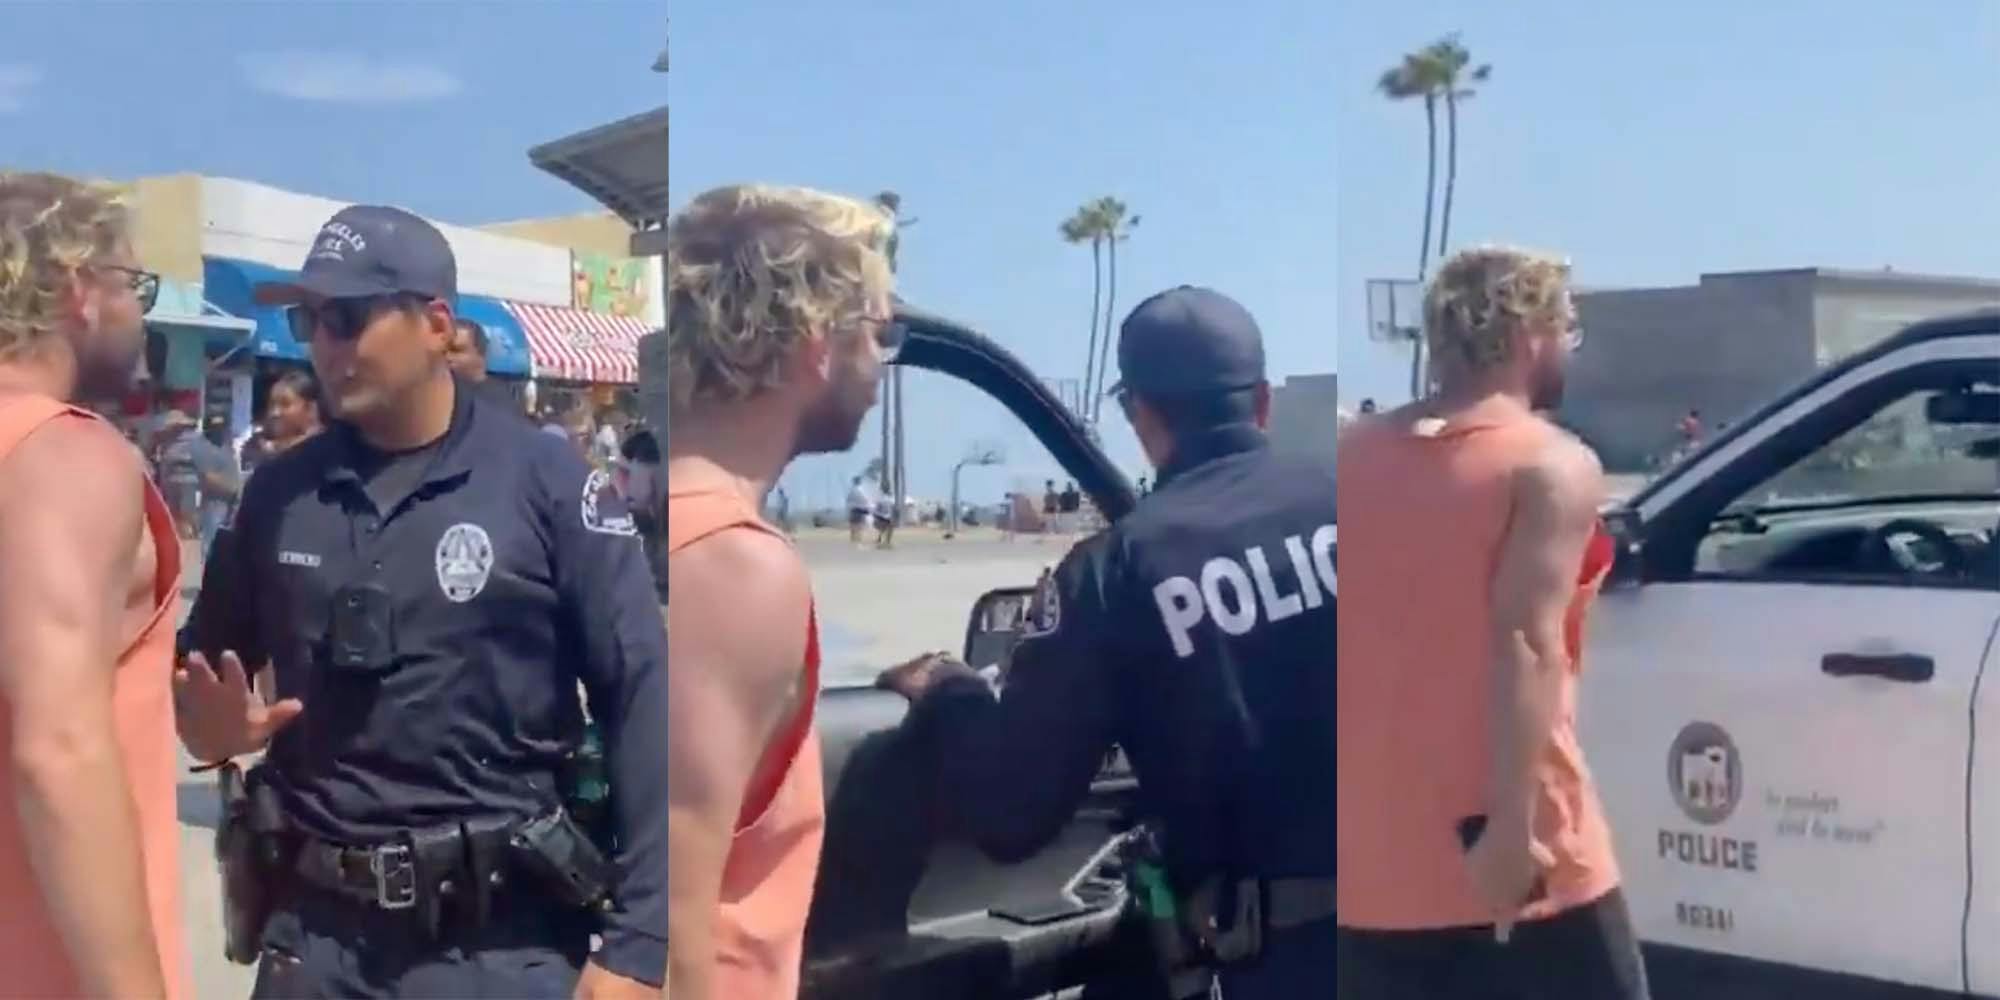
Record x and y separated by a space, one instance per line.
995 626
1628 543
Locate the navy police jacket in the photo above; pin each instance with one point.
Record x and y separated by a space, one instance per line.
1198 635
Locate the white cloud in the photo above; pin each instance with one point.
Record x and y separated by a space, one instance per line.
346 77
15 82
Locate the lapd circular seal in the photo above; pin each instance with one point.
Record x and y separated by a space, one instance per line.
1705 773
599 488
464 561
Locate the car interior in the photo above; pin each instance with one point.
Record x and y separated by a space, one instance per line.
1878 502
898 911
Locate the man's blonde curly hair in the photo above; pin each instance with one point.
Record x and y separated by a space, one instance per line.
1482 297
50 226
752 270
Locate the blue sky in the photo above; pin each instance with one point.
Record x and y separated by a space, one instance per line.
428 105
1653 142
994 122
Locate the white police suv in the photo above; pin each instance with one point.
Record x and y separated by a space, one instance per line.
1784 704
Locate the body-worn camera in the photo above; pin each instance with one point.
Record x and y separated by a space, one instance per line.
361 630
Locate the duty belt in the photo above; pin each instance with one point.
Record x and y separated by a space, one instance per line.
463 864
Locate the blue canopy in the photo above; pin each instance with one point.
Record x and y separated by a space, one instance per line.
227 283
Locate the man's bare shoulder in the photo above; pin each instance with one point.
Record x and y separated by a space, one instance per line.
741 558
80 470
1563 473
743 591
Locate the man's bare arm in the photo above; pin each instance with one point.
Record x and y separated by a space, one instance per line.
735 653
71 517
1555 501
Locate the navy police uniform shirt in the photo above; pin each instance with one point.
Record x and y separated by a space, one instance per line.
512 573
1198 634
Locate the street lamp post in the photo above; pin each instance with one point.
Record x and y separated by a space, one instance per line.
979 456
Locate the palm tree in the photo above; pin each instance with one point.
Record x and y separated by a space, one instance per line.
1449 60
1117 227
1083 226
1416 76
1413 78
892 203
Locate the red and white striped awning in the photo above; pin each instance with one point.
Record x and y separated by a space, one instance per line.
580 346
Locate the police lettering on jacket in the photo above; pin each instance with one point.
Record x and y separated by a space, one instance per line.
1237 594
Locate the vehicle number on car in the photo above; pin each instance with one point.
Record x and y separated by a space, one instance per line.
1702 917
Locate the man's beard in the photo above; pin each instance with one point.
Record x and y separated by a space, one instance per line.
833 424
105 375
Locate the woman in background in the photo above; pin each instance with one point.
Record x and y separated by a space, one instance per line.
291 412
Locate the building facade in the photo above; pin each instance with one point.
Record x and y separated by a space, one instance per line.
1730 343
212 239
1305 415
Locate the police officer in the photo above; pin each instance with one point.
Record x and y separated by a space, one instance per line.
1197 634
429 580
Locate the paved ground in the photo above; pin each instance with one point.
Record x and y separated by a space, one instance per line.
878 608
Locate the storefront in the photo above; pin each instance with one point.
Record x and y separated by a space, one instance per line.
191 348
579 346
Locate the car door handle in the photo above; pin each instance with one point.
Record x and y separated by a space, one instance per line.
1907 668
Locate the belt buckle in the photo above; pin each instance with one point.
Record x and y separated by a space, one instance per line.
395 877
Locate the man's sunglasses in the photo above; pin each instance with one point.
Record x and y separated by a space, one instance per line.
145 285
889 335
343 319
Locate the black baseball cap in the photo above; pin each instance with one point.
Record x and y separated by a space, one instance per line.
367 250
1189 341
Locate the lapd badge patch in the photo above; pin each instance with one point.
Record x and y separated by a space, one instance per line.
596 490
1044 610
464 561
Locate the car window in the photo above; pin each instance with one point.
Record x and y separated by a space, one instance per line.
1018 514
1910 494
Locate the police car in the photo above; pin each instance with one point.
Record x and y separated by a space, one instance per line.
1783 705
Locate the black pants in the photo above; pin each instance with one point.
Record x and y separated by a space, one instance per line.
322 947
1295 964
1587 953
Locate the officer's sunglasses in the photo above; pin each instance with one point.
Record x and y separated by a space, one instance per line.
145 285
343 319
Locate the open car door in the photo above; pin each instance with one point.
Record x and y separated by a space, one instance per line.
897 913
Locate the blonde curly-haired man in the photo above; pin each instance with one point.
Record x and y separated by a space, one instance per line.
1474 854
779 320
89 574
